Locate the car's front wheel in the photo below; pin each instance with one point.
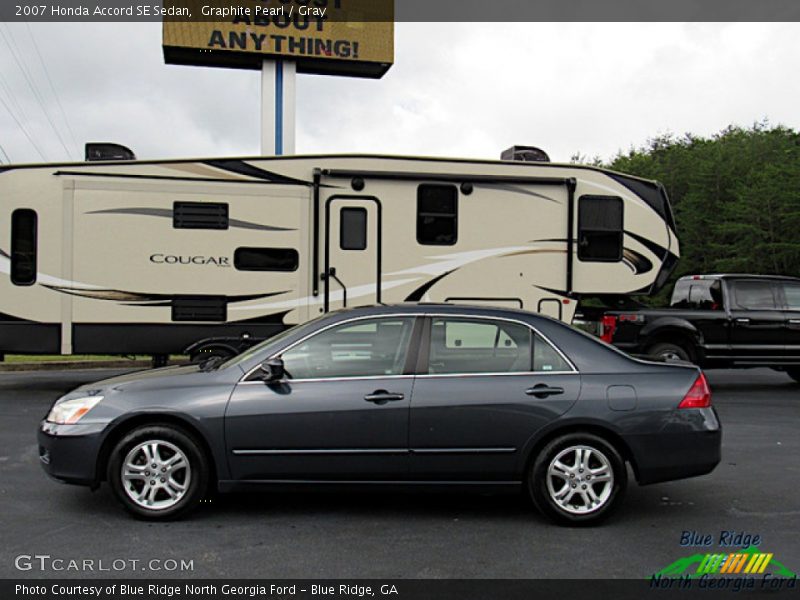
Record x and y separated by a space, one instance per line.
577 479
158 472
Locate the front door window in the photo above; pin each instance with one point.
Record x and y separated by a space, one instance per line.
365 348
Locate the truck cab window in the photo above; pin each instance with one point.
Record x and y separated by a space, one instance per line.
600 228
697 294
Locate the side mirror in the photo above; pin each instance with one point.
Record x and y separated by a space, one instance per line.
272 369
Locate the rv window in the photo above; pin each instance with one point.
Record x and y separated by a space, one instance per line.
23 246
437 214
200 215
353 229
266 259
600 228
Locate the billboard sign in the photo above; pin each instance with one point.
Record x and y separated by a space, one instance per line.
333 37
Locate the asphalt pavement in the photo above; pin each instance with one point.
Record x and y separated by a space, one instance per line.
755 490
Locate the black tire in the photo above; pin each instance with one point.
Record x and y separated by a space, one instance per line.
667 351
168 436
794 373
580 514
204 354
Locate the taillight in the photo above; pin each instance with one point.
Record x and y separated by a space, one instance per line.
609 324
698 396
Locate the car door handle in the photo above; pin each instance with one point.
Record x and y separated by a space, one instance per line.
543 391
382 397
743 320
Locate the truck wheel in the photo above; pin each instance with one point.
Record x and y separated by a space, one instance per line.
667 351
794 373
577 479
158 472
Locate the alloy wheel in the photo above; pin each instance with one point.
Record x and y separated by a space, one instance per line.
580 479
156 474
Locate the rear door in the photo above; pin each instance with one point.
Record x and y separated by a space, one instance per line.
791 318
757 327
485 387
353 252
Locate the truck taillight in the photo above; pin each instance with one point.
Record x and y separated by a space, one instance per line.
609 324
698 396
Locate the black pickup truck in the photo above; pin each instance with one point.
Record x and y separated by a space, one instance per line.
717 321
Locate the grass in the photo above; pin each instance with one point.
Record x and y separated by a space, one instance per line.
37 358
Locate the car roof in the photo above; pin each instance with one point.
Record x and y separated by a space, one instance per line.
415 308
740 276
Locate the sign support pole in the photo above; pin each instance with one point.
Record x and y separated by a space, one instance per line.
278 107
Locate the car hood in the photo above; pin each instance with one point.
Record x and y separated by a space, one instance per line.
164 377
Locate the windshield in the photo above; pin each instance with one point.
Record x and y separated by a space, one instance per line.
251 352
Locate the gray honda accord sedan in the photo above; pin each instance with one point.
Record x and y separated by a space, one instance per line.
406 396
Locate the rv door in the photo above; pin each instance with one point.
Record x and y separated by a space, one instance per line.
352 274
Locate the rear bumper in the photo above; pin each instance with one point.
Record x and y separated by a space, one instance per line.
68 453
689 446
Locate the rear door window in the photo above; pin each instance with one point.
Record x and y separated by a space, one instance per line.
460 345
753 295
792 293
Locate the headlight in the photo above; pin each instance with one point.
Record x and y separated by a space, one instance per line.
70 410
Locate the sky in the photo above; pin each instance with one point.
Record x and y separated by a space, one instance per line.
456 89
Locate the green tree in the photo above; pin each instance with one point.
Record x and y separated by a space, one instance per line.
735 195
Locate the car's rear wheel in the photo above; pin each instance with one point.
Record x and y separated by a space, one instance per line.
577 479
668 351
794 373
158 472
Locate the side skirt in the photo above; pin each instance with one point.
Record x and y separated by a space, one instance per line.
292 485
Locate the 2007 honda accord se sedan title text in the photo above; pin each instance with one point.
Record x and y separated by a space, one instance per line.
406 396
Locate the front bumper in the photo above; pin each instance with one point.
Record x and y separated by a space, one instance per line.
69 453
688 446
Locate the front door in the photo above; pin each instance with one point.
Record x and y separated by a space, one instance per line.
341 412
353 251
757 322
489 385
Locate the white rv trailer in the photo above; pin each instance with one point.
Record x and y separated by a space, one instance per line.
149 256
